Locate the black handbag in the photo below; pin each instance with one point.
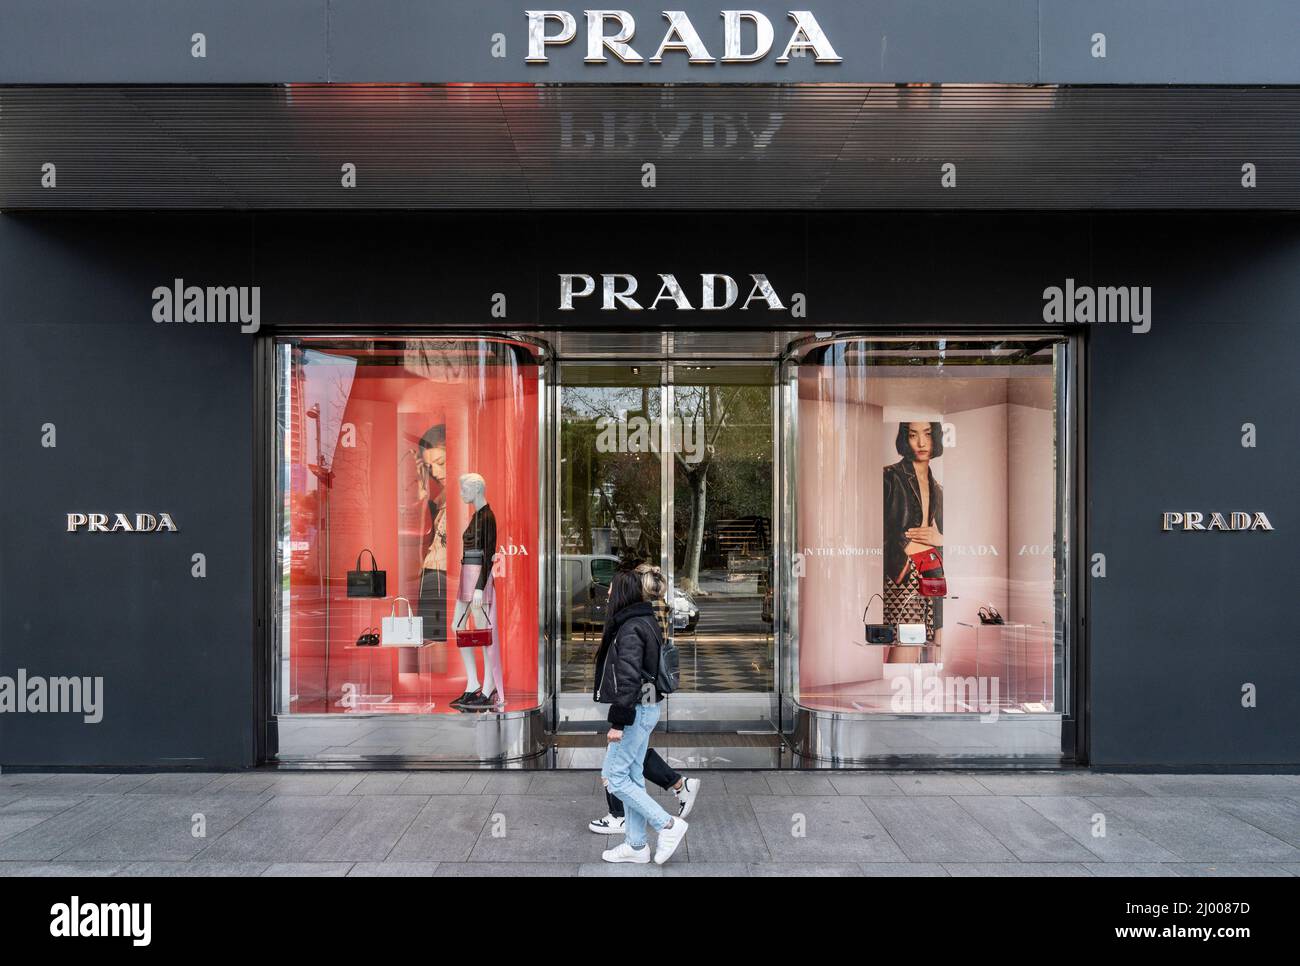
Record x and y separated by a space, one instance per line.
367 583
877 633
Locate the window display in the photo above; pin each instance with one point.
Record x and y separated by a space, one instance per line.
391 555
956 540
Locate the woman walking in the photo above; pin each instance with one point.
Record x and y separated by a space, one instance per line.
654 590
626 667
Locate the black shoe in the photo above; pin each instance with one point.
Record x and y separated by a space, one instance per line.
482 702
466 700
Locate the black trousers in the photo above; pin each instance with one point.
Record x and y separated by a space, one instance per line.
656 771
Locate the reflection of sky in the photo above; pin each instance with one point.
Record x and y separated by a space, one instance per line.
327 383
594 402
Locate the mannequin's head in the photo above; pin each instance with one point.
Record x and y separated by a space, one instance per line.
472 486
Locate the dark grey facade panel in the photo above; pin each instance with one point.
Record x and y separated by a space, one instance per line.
1181 625
147 420
968 41
152 417
150 42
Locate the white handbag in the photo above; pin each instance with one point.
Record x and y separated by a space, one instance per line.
911 633
405 631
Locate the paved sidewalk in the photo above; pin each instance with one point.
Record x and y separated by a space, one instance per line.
745 823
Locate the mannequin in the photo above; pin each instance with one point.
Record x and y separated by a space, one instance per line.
477 595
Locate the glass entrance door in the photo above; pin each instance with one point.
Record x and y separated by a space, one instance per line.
671 464
720 516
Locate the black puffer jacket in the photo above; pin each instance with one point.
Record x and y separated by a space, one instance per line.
627 659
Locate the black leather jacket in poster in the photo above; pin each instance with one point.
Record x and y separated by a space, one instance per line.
628 656
903 511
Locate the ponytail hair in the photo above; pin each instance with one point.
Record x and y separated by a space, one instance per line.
654 585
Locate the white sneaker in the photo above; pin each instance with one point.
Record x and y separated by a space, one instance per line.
609 825
669 839
625 853
686 796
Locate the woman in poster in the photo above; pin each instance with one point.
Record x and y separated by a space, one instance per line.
913 523
431 470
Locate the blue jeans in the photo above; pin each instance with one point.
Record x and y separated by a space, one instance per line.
623 771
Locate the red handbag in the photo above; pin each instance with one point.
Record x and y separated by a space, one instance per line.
933 587
478 637
926 561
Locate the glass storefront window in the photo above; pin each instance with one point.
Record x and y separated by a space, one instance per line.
929 552
408 511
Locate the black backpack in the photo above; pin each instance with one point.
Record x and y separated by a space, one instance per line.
667 676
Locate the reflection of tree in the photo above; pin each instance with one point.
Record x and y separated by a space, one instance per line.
725 469
612 489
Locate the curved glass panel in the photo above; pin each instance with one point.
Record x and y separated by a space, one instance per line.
408 483
929 546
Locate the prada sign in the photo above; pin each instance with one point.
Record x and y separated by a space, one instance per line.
1195 520
612 32
121 523
716 293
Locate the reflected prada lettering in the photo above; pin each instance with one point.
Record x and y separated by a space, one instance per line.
612 32
717 292
1190 520
121 523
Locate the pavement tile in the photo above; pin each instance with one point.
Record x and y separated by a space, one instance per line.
724 828
75 870
64 829
1029 836
205 870
931 828
1017 869
308 869
825 870
942 784
393 870
163 828
1232 870
865 785
281 829
831 829
1279 817
1080 819
1210 786
369 831
539 828
445 829
513 869
1196 831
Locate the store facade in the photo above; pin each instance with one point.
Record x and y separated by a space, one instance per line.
345 487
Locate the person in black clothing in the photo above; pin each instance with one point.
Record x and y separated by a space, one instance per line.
654 589
627 666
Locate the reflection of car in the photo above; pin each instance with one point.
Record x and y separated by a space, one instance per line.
584 586
685 614
584 583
